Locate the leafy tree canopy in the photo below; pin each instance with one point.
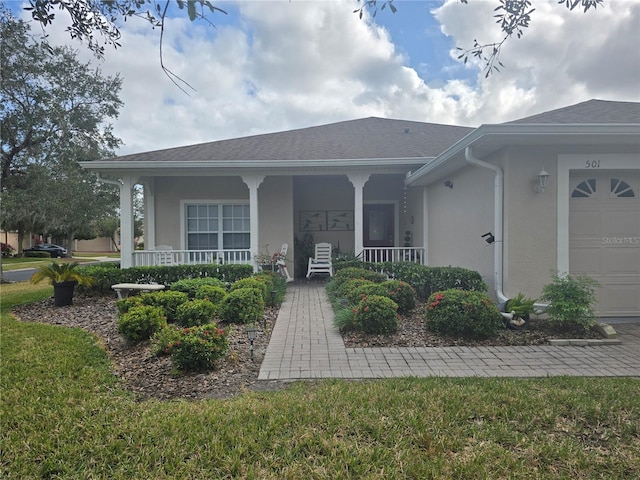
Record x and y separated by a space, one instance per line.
54 113
96 21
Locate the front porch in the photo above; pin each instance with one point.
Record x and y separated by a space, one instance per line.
149 258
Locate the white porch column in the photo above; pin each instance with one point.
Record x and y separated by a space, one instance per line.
150 214
253 182
358 180
126 222
425 224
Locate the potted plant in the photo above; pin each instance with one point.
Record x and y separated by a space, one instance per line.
64 277
516 311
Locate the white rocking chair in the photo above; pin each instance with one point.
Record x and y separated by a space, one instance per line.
321 262
282 263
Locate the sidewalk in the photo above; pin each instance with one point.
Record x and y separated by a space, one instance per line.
305 344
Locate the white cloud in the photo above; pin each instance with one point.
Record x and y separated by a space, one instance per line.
293 64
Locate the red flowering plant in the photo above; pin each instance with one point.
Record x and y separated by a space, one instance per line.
197 348
463 313
402 293
376 314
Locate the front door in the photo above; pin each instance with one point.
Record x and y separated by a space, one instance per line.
379 225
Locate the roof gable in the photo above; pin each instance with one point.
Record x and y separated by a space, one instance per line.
589 112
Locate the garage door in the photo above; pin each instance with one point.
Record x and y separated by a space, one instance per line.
604 237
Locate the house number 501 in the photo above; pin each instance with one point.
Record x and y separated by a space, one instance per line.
592 164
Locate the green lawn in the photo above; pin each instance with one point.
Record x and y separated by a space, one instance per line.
63 415
17 263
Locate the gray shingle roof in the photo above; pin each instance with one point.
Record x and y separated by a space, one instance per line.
354 139
591 111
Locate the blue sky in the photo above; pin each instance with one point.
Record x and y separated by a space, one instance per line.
272 65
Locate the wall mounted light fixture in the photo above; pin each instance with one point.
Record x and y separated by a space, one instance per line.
489 238
448 183
542 181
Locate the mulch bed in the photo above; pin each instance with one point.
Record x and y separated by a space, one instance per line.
149 376
413 333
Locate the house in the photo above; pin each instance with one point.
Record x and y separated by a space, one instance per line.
558 191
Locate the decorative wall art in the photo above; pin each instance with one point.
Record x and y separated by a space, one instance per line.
321 220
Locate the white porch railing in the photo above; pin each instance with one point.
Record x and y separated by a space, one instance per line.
148 258
394 254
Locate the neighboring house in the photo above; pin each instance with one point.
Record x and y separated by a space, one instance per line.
399 190
100 244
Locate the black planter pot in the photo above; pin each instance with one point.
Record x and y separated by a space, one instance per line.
63 293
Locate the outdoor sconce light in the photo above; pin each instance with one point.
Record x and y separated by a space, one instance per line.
489 238
542 181
251 333
449 184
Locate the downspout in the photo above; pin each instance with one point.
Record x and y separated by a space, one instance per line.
498 215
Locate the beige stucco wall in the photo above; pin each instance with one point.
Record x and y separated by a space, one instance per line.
170 192
530 220
458 218
275 210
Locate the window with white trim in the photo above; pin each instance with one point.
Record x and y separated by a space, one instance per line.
218 227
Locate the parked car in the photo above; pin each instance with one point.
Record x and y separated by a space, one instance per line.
50 248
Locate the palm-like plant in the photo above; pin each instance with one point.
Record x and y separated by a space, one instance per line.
60 273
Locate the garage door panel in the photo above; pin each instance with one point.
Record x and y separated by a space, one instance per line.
604 237
621 300
587 258
585 222
622 223
621 261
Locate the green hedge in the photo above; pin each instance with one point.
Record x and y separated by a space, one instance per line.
424 280
107 274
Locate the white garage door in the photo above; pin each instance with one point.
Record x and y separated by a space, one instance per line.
604 237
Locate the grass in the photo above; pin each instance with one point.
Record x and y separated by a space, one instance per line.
17 263
64 415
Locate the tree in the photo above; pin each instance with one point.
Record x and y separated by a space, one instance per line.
91 18
54 113
513 16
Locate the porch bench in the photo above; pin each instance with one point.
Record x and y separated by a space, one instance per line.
123 289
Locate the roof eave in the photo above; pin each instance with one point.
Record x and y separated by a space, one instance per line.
541 129
253 164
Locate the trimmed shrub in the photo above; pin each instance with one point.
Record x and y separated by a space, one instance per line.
244 305
190 286
212 293
259 283
572 300
402 293
275 283
463 313
376 314
358 292
195 312
139 323
108 274
168 300
125 304
197 348
344 289
163 339
351 273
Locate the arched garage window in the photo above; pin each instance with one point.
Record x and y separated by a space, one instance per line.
620 188
584 189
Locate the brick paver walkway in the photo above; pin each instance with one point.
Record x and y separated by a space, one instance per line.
305 344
